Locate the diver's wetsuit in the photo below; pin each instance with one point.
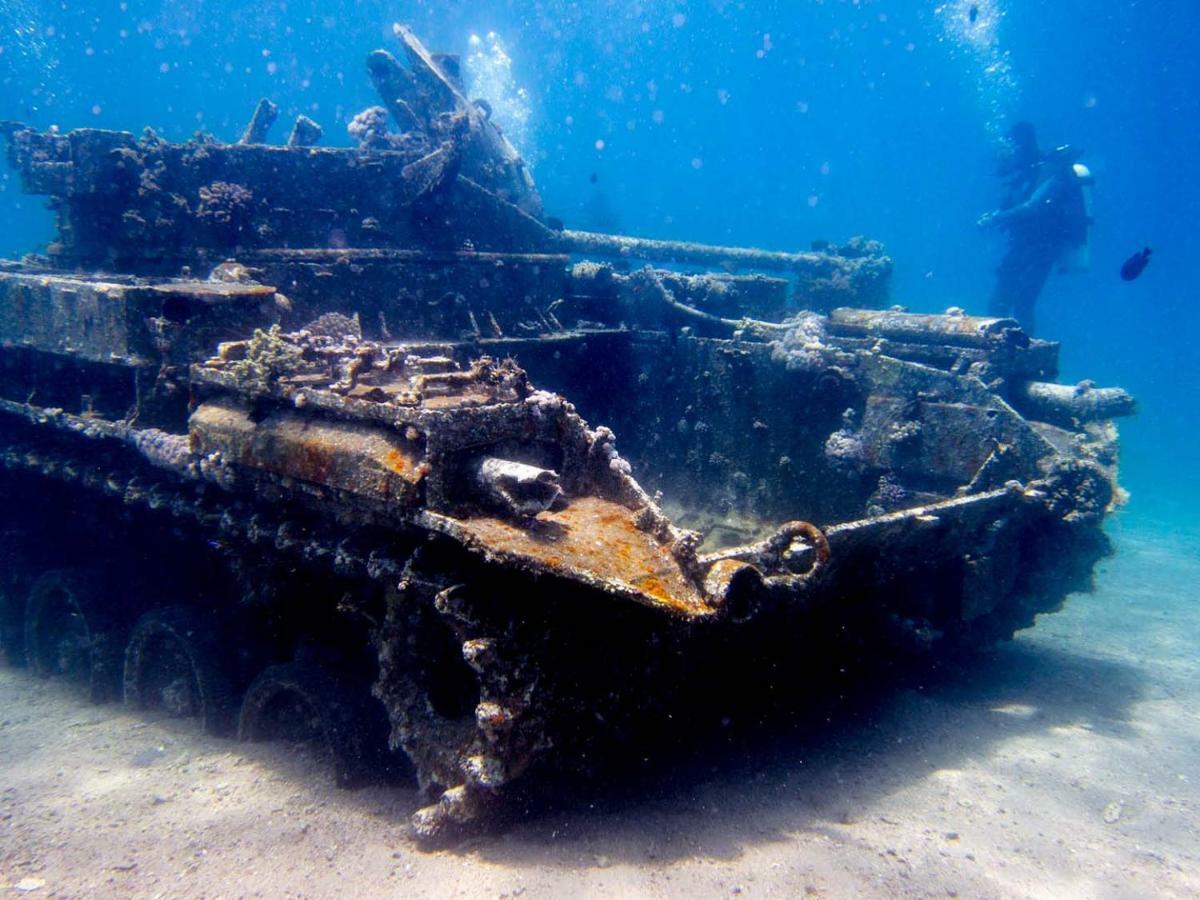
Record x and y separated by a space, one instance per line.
1041 230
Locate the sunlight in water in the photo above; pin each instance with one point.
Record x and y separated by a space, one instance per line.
971 30
21 33
489 76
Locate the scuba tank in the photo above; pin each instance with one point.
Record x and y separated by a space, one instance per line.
1079 257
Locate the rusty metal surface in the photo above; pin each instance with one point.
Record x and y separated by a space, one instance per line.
341 455
597 541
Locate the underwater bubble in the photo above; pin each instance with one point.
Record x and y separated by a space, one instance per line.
489 75
970 29
19 20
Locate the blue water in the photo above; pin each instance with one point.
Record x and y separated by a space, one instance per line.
770 123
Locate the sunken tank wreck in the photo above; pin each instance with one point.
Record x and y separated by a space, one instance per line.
293 441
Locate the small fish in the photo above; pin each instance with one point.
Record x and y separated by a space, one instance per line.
1133 266
595 176
973 13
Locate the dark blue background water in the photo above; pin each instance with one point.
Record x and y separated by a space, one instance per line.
767 122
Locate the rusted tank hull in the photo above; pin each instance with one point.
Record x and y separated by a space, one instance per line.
298 428
503 632
498 646
535 671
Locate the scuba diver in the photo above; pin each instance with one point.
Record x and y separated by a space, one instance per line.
1046 214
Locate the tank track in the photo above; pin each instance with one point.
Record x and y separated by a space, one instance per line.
460 762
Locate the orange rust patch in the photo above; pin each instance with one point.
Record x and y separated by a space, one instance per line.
598 538
653 586
363 459
396 461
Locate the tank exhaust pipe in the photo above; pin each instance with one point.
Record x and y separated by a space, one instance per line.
523 490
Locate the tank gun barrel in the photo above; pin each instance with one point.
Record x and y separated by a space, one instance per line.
591 243
919 327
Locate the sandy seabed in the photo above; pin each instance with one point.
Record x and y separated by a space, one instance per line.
1063 764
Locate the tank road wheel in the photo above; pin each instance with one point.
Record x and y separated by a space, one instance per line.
308 704
173 662
67 633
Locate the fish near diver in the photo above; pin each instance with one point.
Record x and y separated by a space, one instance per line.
1136 264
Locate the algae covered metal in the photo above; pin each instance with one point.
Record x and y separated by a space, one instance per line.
295 440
